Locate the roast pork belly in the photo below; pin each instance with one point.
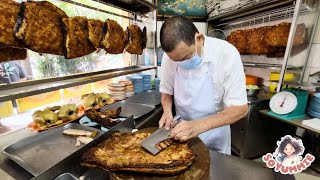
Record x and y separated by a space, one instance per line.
123 152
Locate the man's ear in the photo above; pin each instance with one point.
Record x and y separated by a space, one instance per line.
199 35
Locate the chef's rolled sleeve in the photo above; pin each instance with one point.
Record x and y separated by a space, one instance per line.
167 75
234 86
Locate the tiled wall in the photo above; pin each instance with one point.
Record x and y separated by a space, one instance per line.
314 58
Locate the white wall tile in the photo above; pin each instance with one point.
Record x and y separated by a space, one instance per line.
317 35
313 53
315 56
307 72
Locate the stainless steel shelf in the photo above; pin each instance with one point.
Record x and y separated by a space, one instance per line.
29 88
271 66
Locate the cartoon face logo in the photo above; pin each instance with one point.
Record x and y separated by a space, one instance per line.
289 151
287 158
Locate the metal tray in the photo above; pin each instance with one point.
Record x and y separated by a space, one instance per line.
38 153
150 97
130 109
71 164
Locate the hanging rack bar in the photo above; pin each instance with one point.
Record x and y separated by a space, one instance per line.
273 15
289 43
110 4
97 9
256 7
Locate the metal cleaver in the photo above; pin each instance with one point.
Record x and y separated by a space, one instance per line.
159 135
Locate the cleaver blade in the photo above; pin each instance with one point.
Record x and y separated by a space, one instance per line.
159 135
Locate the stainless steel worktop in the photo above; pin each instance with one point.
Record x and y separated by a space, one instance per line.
11 170
225 167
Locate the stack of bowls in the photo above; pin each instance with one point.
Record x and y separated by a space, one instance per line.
313 109
146 82
137 82
117 90
129 89
156 84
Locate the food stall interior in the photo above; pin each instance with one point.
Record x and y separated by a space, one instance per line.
92 88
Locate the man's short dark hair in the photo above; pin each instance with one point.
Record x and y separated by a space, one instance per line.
177 29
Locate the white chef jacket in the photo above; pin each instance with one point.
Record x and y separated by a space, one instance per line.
228 73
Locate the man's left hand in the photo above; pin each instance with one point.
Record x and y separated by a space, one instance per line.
186 130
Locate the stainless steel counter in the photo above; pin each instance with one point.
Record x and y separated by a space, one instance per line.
225 167
11 170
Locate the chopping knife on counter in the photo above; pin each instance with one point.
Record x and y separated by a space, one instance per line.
204 77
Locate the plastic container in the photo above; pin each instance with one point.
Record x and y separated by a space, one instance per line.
275 76
252 80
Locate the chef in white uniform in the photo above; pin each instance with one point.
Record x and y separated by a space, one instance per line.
204 77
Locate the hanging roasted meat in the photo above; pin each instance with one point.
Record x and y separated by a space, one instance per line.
134 37
239 40
77 40
278 35
9 54
95 28
8 17
256 45
114 39
39 27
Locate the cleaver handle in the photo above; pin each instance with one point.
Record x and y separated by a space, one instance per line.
177 118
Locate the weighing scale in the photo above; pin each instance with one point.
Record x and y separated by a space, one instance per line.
289 104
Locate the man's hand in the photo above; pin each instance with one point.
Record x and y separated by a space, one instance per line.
186 130
166 120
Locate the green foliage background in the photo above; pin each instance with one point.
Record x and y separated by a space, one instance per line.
47 65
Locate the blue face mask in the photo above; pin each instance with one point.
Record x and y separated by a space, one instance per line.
193 62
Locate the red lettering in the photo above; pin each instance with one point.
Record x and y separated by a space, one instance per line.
309 157
271 163
284 169
301 167
293 169
305 161
278 166
266 157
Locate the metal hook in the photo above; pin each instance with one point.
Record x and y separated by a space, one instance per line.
286 13
269 17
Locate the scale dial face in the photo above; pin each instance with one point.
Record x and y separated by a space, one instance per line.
283 102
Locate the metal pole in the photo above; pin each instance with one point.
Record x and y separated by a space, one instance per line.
289 43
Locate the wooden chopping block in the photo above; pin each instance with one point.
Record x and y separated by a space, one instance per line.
199 170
